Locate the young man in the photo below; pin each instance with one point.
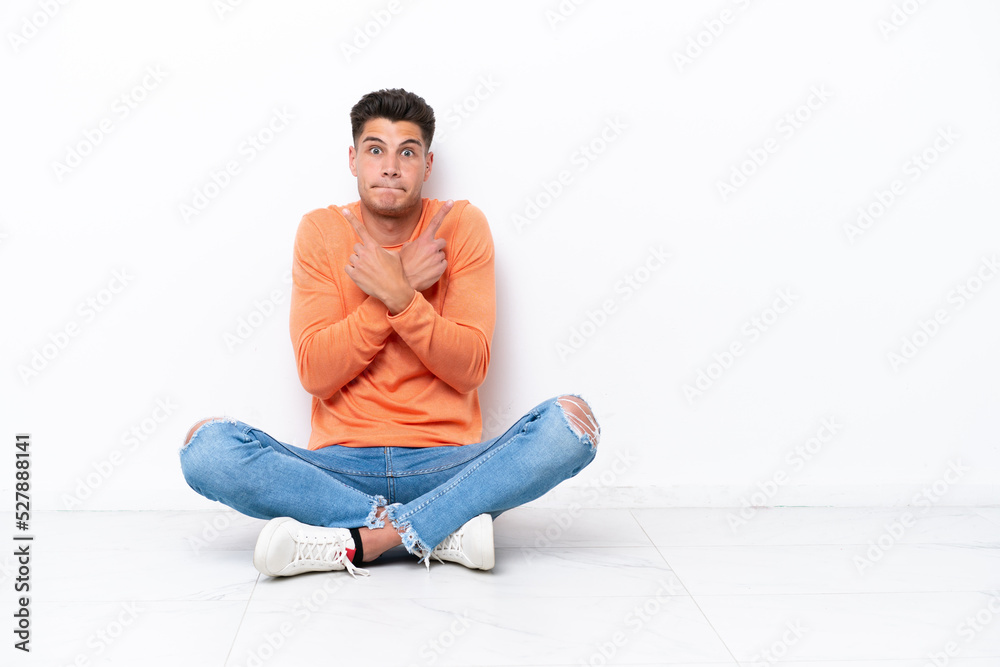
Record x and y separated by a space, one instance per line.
392 317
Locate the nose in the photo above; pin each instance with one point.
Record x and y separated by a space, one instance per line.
390 165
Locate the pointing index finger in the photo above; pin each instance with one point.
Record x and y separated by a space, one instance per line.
432 229
359 226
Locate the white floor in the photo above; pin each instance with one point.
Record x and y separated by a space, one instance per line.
817 587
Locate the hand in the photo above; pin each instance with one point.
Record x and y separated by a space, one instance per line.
423 258
376 271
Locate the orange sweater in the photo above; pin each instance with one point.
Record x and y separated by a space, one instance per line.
405 380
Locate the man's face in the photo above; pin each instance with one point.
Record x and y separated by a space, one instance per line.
391 164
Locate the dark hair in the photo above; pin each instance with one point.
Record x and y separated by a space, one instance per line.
395 105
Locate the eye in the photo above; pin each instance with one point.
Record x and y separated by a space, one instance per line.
374 150
408 153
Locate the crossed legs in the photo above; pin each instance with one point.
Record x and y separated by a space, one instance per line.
277 481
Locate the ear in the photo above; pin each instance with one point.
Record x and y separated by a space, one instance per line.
352 157
428 165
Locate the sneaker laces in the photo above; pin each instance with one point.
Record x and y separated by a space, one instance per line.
325 550
451 543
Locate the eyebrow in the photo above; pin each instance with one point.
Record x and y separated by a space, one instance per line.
403 143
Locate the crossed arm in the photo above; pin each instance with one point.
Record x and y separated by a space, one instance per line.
343 315
391 277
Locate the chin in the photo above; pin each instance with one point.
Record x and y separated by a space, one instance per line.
388 206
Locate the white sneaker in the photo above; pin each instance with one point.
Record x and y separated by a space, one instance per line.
471 545
287 547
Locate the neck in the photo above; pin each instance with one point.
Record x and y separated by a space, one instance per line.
391 230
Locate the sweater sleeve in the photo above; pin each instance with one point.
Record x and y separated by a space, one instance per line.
455 343
331 345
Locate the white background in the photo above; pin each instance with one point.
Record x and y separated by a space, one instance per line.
520 90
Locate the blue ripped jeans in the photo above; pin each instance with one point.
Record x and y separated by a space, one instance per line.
428 492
